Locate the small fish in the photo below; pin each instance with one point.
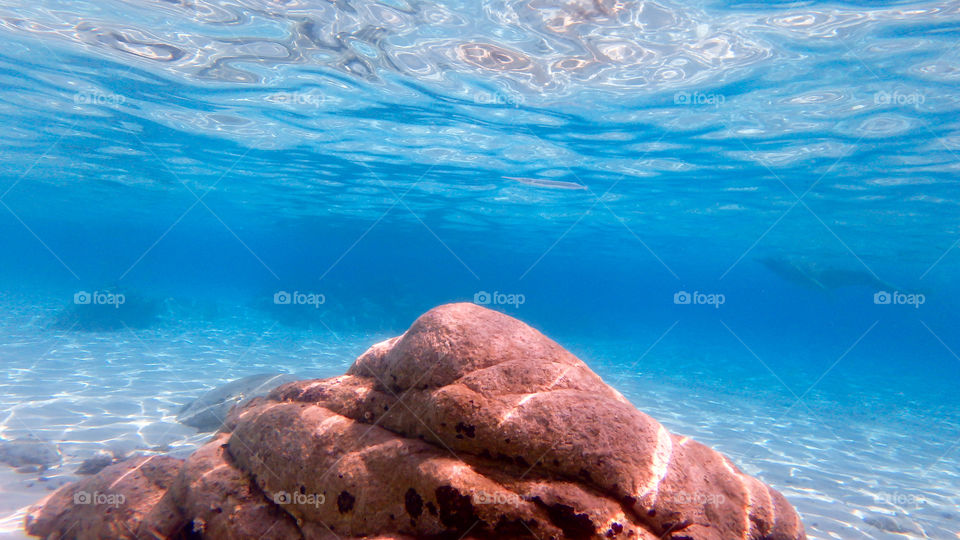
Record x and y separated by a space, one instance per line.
554 184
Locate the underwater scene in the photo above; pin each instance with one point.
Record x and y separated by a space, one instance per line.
498 269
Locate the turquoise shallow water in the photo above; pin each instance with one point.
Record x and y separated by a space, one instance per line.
742 215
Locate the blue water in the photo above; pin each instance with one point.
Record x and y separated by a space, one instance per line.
584 166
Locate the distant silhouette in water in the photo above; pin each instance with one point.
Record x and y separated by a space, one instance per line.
106 310
208 412
379 304
812 275
552 184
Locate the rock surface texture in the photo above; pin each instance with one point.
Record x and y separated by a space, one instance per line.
469 425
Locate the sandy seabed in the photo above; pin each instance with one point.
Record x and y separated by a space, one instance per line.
881 477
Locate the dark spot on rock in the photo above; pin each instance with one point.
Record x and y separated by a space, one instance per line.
556 463
469 431
345 502
386 407
303 490
456 509
432 508
443 424
485 454
188 532
507 440
459 436
513 528
585 474
521 462
614 530
572 524
413 503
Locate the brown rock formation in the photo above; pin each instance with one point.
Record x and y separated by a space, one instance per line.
469 425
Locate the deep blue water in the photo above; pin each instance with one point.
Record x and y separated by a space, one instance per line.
594 160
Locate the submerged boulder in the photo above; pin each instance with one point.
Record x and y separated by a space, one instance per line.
109 504
208 412
29 452
101 460
469 425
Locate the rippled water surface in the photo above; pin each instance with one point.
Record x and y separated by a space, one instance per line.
743 215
